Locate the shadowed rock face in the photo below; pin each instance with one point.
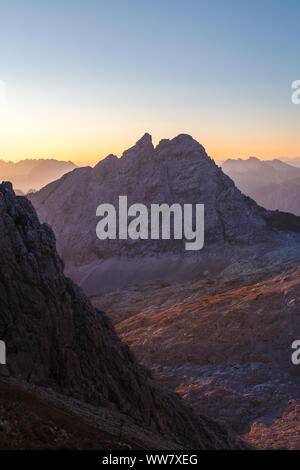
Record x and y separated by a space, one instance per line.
56 338
239 235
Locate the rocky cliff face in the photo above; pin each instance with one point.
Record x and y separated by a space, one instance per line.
238 233
56 338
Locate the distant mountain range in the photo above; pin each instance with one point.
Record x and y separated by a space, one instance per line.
294 161
273 184
32 174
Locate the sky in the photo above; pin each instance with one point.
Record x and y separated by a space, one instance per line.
88 78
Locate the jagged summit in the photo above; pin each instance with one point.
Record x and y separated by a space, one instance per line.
184 141
176 171
145 140
106 161
143 149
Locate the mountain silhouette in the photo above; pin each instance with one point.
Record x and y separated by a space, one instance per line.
239 235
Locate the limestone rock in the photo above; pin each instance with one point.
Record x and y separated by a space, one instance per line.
240 236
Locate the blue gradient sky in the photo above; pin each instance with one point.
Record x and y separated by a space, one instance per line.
86 78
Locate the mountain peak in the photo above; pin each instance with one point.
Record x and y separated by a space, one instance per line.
182 143
6 186
106 161
146 139
187 142
142 149
184 138
176 171
254 159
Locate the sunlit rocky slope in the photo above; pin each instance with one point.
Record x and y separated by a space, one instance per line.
228 354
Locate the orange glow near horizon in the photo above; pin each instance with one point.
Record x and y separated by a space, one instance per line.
93 147
80 82
86 135
91 152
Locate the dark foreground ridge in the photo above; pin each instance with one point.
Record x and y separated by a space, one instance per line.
55 338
